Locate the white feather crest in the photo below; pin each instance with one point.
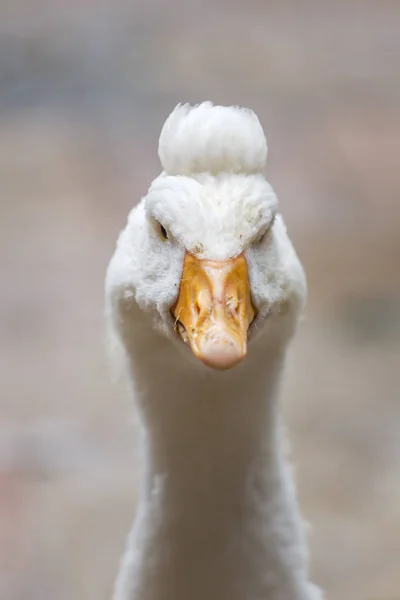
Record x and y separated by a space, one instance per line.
213 139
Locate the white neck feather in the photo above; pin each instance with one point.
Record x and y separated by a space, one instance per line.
217 517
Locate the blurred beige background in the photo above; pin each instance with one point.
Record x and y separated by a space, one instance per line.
85 87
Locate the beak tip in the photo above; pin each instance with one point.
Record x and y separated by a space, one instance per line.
221 356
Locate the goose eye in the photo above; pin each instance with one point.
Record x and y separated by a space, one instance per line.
163 233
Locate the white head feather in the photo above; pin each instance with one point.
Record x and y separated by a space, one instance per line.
212 139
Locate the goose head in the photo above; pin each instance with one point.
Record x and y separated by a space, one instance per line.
205 261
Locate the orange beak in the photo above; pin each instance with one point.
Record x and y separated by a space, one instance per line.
214 309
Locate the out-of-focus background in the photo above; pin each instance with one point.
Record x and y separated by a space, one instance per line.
85 87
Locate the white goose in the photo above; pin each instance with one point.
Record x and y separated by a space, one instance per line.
204 278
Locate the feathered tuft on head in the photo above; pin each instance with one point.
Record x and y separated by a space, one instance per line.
213 139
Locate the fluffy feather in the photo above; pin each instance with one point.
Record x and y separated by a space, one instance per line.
213 217
213 139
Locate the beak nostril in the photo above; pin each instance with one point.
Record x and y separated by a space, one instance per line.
196 307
